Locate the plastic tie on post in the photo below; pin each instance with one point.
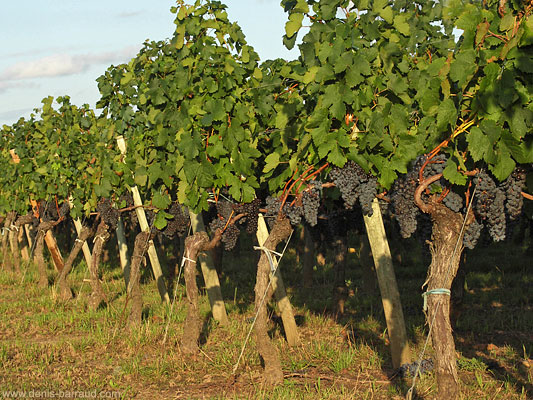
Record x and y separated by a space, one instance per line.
446 292
269 253
79 240
185 258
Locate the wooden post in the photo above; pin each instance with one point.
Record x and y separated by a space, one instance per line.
29 232
24 250
85 246
49 237
284 304
123 251
141 216
212 284
390 296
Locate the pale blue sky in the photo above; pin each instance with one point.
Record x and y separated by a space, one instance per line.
59 47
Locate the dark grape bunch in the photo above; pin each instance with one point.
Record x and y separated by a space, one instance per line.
513 187
409 370
453 201
252 214
108 213
273 205
434 167
311 202
404 208
127 198
355 184
294 213
490 205
64 210
230 234
472 233
48 211
179 224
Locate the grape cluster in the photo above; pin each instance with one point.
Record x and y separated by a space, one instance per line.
435 166
490 205
252 214
513 187
355 184
127 198
311 202
64 210
108 213
402 200
48 211
409 370
472 233
179 224
294 213
230 234
453 201
224 208
273 205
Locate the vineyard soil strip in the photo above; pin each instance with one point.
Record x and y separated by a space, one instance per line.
284 304
141 216
388 286
212 283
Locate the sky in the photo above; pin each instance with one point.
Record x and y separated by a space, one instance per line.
59 47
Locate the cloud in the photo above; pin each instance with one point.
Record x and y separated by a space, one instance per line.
129 14
63 64
11 116
6 85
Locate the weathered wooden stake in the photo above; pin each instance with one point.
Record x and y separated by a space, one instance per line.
390 296
212 283
85 246
284 304
143 222
125 262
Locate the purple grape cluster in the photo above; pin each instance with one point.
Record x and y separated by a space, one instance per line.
355 184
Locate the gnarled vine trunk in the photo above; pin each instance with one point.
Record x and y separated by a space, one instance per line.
14 237
65 292
273 374
98 296
39 251
191 330
134 283
446 247
6 259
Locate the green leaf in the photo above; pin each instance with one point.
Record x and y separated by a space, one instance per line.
161 201
401 24
447 114
294 24
504 164
451 174
478 143
271 162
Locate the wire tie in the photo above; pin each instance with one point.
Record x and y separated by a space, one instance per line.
15 227
101 237
185 258
269 253
434 291
79 240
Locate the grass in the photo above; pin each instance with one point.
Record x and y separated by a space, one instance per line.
49 345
